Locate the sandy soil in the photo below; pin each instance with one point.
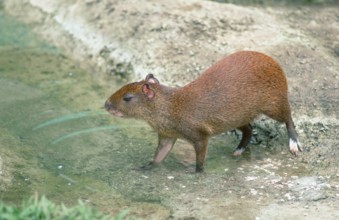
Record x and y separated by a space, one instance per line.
177 40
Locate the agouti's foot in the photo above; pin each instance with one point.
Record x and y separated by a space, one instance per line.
295 147
199 169
148 166
238 151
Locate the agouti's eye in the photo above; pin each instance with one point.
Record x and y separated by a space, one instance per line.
127 97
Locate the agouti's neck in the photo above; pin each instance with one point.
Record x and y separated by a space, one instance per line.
161 109
165 97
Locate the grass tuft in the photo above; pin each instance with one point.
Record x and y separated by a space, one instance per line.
42 209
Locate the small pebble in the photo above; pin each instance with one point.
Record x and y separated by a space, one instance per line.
254 192
288 196
251 178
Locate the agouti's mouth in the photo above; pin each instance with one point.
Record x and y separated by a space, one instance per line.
115 112
108 106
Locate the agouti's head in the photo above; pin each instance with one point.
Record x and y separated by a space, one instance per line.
133 99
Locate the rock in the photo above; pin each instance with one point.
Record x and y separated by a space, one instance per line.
336 50
313 195
309 188
305 183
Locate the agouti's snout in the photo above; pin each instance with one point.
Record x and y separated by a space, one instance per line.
112 109
107 105
228 95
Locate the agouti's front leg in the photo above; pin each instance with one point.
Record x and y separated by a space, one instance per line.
165 145
200 152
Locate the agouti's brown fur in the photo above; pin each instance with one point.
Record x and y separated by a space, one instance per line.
228 95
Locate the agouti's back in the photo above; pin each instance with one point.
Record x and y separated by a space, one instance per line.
236 90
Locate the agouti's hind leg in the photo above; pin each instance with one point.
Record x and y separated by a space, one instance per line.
294 144
282 113
246 137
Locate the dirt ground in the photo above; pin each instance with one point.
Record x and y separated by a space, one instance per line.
177 40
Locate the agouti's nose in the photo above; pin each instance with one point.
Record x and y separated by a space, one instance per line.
107 105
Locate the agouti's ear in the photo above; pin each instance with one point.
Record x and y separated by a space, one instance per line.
151 79
146 89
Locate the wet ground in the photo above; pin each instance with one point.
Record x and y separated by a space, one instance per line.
56 140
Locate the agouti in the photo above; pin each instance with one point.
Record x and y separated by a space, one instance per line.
228 95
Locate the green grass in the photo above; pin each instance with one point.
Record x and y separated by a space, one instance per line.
42 209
